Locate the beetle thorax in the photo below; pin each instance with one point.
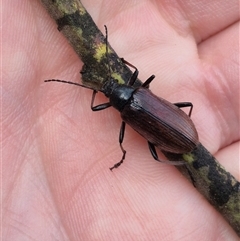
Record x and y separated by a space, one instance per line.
118 94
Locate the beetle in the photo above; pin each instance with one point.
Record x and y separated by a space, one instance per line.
163 124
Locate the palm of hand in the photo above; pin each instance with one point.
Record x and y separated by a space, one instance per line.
57 152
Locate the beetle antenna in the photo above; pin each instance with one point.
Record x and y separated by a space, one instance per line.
69 82
106 39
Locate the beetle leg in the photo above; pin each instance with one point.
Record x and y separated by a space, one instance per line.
148 81
155 156
135 73
121 137
98 107
154 152
185 104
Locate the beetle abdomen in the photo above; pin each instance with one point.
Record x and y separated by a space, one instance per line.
160 122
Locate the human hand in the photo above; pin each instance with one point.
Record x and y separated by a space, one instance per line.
57 184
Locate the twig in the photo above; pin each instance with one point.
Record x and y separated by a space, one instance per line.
89 43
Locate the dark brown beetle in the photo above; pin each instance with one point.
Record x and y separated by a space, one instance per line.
161 123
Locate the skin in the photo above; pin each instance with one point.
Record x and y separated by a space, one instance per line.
56 181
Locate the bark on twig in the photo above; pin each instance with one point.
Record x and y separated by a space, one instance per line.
89 43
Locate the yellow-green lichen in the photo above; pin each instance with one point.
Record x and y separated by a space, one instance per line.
65 7
82 10
100 51
118 77
188 157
